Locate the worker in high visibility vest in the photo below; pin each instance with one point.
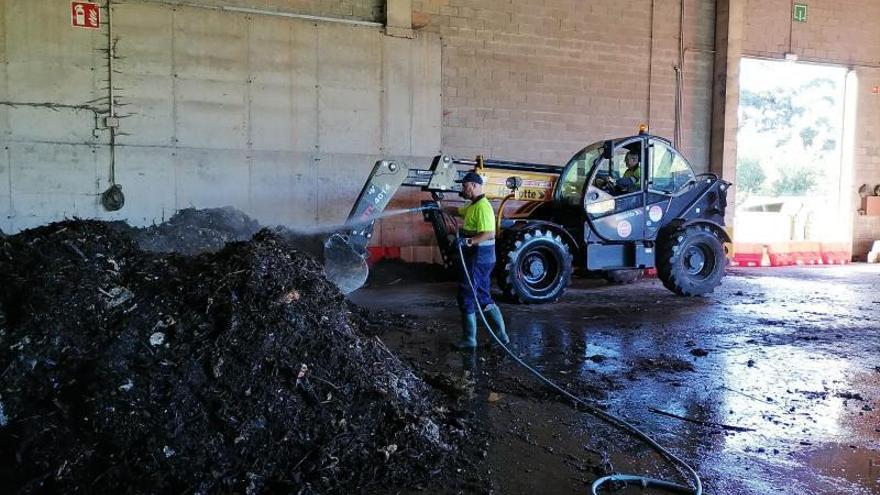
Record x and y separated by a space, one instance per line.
478 245
632 176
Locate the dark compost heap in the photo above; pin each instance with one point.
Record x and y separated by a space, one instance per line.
239 370
193 231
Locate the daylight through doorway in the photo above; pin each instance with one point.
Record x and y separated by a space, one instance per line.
790 153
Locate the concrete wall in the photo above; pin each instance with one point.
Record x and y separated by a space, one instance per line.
540 80
844 33
280 117
359 10
224 109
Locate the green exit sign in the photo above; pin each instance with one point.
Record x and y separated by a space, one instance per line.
800 12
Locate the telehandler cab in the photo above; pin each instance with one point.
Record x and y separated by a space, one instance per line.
591 214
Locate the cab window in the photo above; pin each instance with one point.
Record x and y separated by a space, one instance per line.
615 182
669 171
623 174
571 184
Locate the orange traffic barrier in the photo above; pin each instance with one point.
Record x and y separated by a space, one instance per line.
749 254
835 253
376 254
806 253
779 254
791 253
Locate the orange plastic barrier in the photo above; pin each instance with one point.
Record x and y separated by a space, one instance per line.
779 254
806 253
749 254
835 253
378 253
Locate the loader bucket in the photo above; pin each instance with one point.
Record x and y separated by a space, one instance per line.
344 265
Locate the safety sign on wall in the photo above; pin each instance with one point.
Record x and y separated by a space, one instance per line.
85 15
799 12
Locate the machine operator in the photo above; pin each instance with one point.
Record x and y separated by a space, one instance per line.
632 176
477 240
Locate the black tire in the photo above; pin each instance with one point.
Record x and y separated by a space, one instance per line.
535 266
691 260
620 277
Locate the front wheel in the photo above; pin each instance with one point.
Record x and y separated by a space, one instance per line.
536 266
691 261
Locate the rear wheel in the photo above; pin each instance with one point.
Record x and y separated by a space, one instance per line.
536 266
691 261
619 277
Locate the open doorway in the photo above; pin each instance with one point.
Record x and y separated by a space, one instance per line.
791 172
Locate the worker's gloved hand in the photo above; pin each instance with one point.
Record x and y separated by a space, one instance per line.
461 242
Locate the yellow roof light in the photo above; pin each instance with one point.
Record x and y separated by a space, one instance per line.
643 128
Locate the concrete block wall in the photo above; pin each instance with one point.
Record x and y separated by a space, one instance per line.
540 80
280 117
843 33
839 31
866 229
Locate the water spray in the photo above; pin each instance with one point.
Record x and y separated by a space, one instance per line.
326 228
344 265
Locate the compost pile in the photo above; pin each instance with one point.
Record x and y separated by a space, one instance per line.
191 231
235 371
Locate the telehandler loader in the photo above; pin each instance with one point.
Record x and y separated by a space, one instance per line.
586 214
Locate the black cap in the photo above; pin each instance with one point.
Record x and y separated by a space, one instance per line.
471 177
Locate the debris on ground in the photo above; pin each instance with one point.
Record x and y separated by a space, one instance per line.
814 395
240 370
392 271
662 363
847 395
699 352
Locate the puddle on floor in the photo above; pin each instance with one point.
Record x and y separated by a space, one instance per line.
858 465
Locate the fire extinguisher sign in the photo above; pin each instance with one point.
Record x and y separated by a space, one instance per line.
85 15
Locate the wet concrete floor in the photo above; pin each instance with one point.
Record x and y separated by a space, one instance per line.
776 374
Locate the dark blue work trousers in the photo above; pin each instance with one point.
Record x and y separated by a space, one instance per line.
480 266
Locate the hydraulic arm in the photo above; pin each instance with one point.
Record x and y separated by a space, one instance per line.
345 252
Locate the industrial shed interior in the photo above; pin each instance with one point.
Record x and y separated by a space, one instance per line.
440 246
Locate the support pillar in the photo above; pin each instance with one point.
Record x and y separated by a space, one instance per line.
398 18
729 23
